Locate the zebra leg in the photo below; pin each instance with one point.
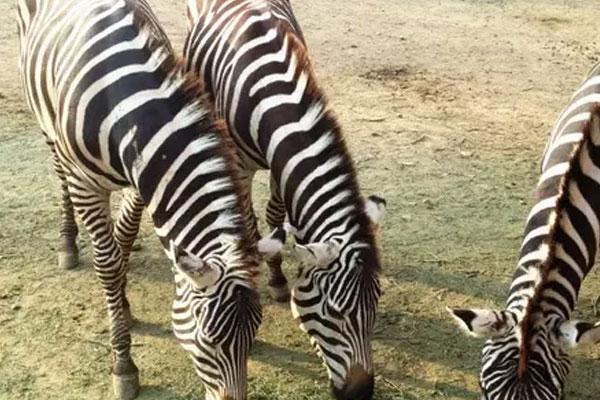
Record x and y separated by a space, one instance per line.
126 230
248 207
94 210
68 254
278 285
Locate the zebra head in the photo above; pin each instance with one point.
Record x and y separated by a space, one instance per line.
216 313
334 300
524 363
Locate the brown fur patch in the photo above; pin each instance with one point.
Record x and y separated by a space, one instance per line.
534 311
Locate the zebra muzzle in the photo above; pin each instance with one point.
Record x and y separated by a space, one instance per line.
358 386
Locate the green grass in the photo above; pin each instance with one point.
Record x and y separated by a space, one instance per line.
451 237
455 154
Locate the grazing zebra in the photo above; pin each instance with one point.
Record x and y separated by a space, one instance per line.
526 356
253 59
108 94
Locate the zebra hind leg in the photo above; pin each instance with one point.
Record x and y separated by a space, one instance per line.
68 254
278 284
126 230
94 210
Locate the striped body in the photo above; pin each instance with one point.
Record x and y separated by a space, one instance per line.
105 88
527 357
253 59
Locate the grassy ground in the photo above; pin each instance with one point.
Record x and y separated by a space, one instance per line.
446 106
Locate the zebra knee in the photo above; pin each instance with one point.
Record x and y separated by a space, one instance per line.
278 284
127 314
280 294
275 216
277 280
68 256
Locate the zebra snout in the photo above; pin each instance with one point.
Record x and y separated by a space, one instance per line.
358 386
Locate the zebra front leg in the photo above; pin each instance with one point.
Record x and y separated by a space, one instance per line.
126 230
248 207
68 254
278 285
94 210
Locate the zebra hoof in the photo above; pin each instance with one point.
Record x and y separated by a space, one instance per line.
68 259
280 294
126 387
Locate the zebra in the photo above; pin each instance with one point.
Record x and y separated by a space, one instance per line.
117 112
253 59
526 355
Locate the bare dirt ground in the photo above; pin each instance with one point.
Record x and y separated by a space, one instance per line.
446 105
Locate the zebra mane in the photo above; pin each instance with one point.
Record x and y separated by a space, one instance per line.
193 92
534 310
304 66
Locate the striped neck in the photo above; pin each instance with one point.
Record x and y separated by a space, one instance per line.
562 233
321 196
254 60
195 203
313 170
303 145
177 156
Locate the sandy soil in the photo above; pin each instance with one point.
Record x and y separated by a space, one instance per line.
446 105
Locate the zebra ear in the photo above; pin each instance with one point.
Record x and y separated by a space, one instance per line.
375 207
577 333
484 323
272 243
319 254
202 274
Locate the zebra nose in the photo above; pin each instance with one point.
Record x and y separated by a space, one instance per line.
358 386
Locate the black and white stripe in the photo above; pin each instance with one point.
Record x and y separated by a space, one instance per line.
527 355
253 59
107 92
